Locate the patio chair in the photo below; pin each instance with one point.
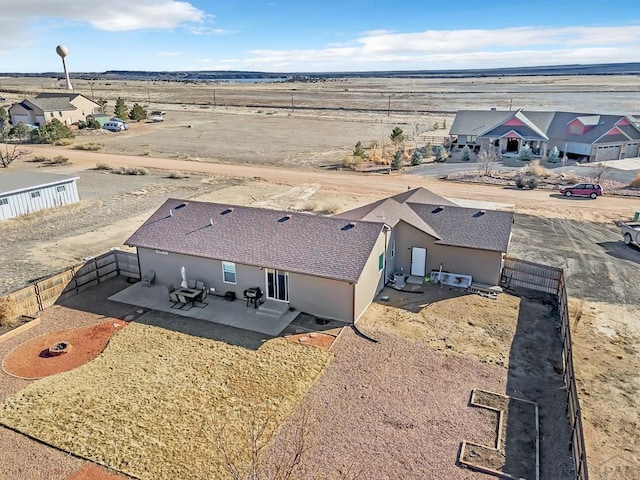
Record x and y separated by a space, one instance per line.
148 279
191 283
200 303
185 303
173 298
171 288
199 285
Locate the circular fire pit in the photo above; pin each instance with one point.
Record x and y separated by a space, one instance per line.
59 348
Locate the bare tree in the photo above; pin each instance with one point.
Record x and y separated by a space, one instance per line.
10 154
601 172
271 458
486 157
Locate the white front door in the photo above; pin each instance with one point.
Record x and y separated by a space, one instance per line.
418 261
5 209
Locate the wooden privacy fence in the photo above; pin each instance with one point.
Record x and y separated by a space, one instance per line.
47 291
544 278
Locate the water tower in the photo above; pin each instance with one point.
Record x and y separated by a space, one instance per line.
63 52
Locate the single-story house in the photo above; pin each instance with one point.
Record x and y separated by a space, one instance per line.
331 267
592 137
69 108
27 192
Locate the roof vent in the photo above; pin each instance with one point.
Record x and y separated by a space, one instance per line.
211 222
227 211
170 213
480 213
182 205
438 209
284 219
348 226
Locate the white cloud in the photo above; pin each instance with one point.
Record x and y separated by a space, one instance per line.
472 48
112 15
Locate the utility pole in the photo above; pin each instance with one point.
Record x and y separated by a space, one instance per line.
148 97
214 98
92 96
292 102
389 107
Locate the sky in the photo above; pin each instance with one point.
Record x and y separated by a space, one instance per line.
314 35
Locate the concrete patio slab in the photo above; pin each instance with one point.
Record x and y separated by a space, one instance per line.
231 313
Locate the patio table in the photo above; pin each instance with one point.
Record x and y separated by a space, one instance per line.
190 294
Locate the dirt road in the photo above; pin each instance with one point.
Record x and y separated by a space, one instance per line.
533 202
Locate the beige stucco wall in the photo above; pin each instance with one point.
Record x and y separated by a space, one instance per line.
483 265
371 280
84 107
318 296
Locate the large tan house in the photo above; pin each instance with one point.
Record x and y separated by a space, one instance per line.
330 267
67 107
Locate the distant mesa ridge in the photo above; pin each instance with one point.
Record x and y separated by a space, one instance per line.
207 75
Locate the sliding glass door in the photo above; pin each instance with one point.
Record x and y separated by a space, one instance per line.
277 285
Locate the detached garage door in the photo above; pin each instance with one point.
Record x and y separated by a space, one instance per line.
608 153
632 150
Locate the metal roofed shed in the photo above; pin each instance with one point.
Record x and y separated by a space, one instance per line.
26 192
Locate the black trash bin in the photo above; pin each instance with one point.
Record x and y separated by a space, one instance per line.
230 296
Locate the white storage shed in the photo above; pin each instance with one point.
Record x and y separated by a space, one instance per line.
28 192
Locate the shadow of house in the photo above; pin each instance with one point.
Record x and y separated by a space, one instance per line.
535 374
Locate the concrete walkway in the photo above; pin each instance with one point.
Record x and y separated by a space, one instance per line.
231 313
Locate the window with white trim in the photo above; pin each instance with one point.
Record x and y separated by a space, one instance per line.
229 272
4 201
35 194
393 249
61 188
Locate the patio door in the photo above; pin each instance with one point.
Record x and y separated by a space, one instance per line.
277 285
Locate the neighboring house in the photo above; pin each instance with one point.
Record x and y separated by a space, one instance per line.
27 192
581 136
67 107
331 267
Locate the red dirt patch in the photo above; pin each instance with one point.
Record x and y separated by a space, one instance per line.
315 339
32 360
91 471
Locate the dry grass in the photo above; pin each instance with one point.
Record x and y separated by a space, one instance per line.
103 166
8 316
150 405
131 171
177 175
91 147
535 168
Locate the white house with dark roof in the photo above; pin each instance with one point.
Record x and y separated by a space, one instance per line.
67 107
330 267
27 192
594 137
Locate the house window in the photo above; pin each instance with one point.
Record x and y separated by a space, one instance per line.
471 138
229 272
4 201
35 194
381 261
61 188
393 249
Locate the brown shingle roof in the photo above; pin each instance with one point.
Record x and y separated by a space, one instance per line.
295 242
468 227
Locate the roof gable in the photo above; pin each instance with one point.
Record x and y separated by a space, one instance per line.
295 242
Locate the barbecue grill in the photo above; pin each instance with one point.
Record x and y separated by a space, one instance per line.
253 295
